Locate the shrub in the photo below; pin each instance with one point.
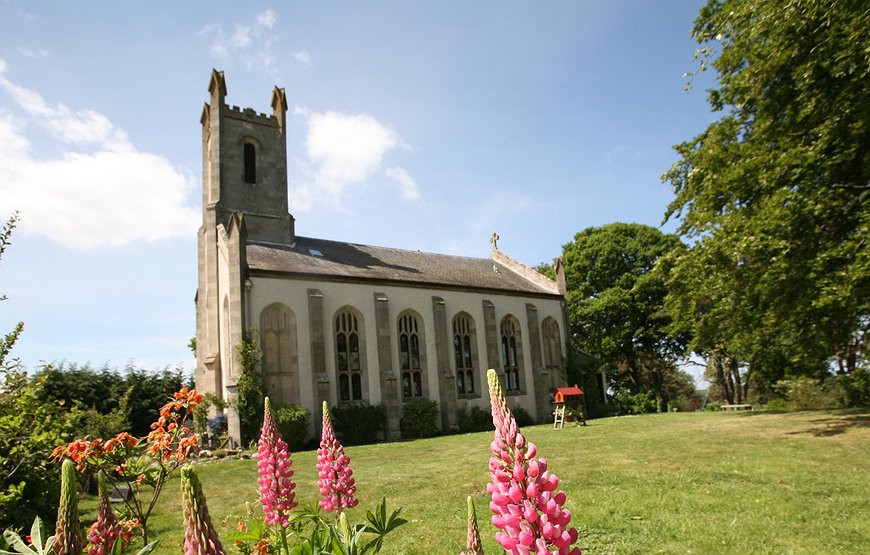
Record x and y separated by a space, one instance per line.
201 420
218 425
599 409
249 389
807 393
419 419
358 424
522 417
136 392
856 386
29 430
292 422
640 403
473 419
92 423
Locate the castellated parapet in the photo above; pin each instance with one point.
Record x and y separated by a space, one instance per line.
245 165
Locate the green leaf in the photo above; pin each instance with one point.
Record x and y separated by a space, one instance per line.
118 547
148 548
36 534
17 543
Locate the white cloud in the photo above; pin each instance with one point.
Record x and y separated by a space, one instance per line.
267 19
407 185
346 148
109 194
303 57
251 44
31 52
343 152
241 37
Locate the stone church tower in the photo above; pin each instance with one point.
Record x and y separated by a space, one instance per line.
244 173
347 323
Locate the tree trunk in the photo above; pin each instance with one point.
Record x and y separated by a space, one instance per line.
723 379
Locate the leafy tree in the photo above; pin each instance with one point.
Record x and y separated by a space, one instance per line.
616 288
775 195
148 391
10 338
29 430
134 395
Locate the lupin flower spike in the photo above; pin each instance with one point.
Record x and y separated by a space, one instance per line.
527 508
200 537
336 483
274 467
68 530
474 546
103 532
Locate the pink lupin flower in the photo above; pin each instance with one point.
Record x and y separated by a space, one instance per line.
200 536
273 465
103 533
474 546
336 481
526 507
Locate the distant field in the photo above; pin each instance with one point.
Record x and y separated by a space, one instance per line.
669 483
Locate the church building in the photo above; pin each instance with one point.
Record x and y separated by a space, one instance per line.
349 323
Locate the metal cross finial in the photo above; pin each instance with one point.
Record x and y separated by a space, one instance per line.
494 240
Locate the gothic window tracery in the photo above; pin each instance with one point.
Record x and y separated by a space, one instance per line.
348 355
410 356
510 352
464 355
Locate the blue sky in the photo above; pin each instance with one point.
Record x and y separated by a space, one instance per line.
419 125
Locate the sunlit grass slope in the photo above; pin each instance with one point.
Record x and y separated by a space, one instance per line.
669 483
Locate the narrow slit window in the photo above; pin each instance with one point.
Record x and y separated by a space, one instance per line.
250 163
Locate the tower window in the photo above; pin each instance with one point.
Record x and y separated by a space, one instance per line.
250 163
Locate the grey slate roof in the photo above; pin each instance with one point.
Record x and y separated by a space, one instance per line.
353 262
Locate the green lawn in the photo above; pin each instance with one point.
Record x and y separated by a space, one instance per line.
670 483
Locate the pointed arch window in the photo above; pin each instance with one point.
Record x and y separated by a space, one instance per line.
250 163
349 357
278 335
552 351
511 354
464 355
411 356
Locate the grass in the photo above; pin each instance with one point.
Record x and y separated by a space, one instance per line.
670 483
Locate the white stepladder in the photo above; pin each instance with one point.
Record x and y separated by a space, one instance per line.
559 414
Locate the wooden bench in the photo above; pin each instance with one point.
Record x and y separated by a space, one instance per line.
737 407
